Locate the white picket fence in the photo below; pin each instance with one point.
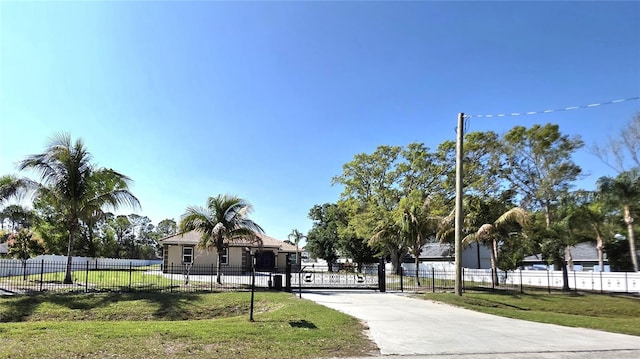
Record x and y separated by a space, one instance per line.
627 282
13 267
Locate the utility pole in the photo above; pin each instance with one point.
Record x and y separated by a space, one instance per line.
459 213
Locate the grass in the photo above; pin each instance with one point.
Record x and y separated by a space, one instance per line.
178 325
612 313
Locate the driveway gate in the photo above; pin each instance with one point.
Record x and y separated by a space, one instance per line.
317 277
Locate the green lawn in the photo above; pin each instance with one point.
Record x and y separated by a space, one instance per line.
612 313
178 325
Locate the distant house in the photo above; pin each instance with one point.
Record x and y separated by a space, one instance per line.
585 257
181 251
4 250
474 256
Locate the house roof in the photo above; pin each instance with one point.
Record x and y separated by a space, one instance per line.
581 252
436 250
193 238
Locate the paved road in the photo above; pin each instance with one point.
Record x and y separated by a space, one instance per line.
403 326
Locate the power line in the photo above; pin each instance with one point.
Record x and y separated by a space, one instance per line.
513 114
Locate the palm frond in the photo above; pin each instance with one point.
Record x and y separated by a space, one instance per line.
516 214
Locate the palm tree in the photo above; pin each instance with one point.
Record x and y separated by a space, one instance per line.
224 219
296 236
18 216
624 191
75 185
491 233
13 187
418 226
487 222
388 239
590 213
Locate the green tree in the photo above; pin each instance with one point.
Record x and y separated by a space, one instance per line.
624 191
18 216
68 177
371 182
225 218
374 185
323 239
539 167
166 227
23 245
617 249
352 244
482 164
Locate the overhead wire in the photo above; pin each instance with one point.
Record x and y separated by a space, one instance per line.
569 108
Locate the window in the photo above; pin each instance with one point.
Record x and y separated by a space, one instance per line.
293 258
225 256
187 255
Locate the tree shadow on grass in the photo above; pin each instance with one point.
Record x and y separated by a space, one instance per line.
302 324
169 306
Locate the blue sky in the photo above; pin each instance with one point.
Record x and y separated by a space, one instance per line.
267 100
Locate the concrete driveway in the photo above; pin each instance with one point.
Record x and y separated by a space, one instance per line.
403 326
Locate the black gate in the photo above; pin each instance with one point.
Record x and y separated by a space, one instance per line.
319 277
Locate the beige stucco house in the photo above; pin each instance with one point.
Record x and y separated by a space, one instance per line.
181 251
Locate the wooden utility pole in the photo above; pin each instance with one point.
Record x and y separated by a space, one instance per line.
459 213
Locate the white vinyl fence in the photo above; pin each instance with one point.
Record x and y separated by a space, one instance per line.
627 282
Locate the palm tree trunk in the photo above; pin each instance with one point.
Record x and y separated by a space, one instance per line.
494 260
219 267
599 247
67 276
417 267
395 259
569 258
628 219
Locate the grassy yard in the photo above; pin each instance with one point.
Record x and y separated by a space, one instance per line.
178 325
612 313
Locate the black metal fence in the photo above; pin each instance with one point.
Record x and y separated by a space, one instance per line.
43 276
32 277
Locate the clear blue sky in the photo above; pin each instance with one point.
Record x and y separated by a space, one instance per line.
267 100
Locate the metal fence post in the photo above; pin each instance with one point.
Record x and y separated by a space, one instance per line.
130 274
548 281
41 273
462 281
575 281
171 276
287 279
86 278
521 285
382 285
401 279
626 283
433 280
